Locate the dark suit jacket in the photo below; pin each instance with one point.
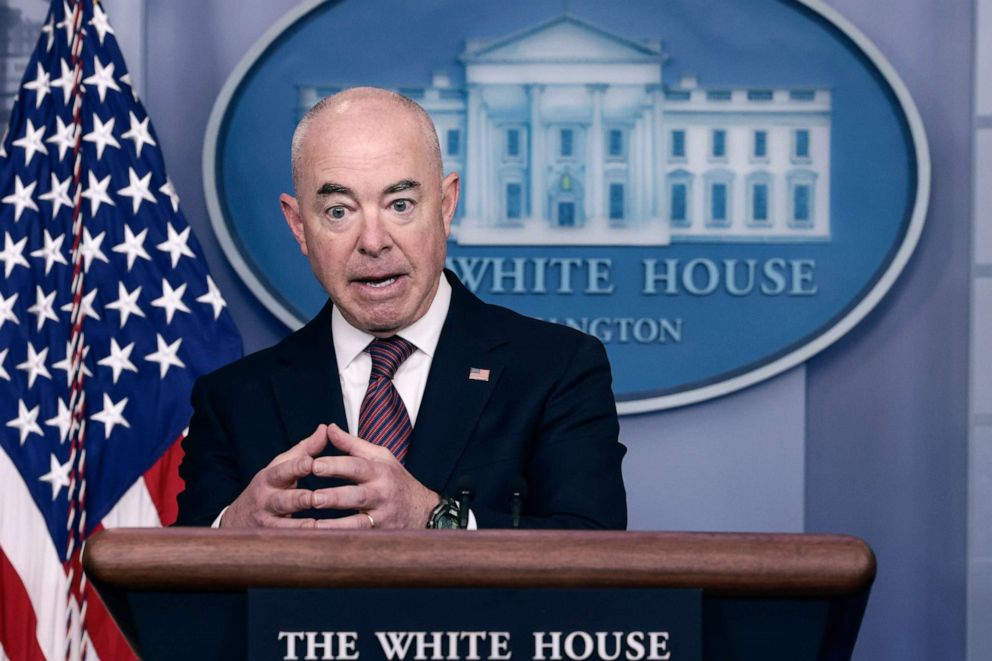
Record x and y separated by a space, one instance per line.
546 415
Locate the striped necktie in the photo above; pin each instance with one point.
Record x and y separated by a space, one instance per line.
383 419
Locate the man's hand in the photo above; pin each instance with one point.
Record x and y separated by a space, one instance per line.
382 488
272 497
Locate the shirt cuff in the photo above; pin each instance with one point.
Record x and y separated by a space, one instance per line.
216 523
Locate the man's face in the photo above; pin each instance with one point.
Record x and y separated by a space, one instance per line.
372 215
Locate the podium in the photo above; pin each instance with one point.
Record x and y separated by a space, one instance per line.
183 592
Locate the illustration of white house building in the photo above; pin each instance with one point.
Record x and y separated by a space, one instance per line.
565 134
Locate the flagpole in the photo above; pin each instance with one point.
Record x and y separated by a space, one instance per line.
76 519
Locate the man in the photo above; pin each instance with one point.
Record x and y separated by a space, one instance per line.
445 389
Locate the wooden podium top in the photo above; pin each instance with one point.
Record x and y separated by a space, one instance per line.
756 565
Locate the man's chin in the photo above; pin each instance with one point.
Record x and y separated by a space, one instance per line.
381 325
383 330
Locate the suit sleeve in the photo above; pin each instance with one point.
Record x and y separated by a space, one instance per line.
574 473
209 468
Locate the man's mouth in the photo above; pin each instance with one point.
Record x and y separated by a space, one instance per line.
378 282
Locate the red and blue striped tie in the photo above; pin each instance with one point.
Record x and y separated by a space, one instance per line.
383 419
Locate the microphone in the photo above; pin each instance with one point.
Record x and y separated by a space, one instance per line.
518 494
464 490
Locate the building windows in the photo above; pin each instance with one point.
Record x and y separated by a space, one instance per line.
679 198
614 143
514 201
719 200
719 95
513 143
565 202
678 144
802 195
760 146
802 188
453 146
759 187
718 144
800 145
566 214
679 203
760 95
718 203
616 201
566 146
759 203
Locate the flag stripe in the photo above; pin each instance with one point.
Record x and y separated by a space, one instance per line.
17 619
105 640
29 549
135 509
164 484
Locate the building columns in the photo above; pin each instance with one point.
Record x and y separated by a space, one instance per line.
650 163
635 167
489 212
473 157
595 208
537 154
659 140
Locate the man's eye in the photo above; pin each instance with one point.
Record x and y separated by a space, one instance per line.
402 206
337 213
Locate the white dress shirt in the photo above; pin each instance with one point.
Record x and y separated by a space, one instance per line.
355 365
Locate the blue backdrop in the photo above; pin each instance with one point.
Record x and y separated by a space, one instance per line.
869 438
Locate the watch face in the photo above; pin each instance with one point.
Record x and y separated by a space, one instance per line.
448 520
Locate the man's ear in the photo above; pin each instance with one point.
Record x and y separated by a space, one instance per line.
450 190
291 210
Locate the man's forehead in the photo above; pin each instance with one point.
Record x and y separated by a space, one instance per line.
364 136
377 157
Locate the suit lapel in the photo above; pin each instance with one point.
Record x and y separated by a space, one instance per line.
452 403
308 388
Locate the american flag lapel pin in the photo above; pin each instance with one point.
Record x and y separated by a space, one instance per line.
478 374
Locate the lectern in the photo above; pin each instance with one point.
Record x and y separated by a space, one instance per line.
187 593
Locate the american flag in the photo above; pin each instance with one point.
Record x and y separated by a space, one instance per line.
478 374
107 315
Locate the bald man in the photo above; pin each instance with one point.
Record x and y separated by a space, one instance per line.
437 388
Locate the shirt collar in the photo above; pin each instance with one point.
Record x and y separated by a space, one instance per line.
424 334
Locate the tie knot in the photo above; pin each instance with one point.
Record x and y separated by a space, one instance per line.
387 354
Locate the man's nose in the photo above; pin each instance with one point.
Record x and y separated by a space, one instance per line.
374 237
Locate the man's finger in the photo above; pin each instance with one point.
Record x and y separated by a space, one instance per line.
311 446
315 443
287 522
358 521
290 501
348 497
353 445
286 474
353 469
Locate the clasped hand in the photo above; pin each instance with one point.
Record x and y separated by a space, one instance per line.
380 488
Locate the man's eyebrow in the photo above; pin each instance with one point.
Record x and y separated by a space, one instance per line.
331 188
400 186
